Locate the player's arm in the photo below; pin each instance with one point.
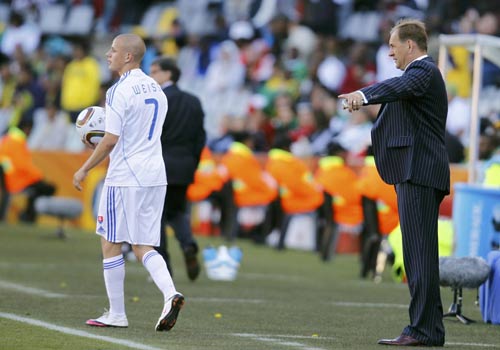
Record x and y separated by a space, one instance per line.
102 150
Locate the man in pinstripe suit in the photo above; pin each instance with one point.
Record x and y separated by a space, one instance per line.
409 148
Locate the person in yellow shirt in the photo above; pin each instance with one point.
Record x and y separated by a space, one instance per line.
81 81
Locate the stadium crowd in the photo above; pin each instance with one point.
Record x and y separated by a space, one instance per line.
268 73
267 76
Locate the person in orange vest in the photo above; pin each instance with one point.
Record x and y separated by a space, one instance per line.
371 185
207 178
339 183
298 191
381 217
251 185
207 190
339 180
20 173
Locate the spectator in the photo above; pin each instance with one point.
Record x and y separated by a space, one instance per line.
332 71
487 24
80 85
385 66
340 181
252 187
21 174
207 178
299 192
371 185
284 119
20 35
360 70
8 84
455 148
280 82
50 128
223 83
355 135
458 119
27 81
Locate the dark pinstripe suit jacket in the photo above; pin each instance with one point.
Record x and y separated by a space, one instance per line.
408 135
183 136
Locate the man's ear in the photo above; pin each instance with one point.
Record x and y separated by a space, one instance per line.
168 74
410 44
128 57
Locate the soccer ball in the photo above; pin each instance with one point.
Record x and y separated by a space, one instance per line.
90 124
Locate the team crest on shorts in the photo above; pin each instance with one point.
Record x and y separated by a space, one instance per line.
100 229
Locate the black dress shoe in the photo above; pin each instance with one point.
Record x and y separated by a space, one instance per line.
402 340
191 260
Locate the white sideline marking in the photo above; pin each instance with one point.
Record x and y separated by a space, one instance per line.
78 333
30 290
269 338
228 300
271 277
474 344
274 339
379 305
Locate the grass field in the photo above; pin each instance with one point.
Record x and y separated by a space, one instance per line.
281 300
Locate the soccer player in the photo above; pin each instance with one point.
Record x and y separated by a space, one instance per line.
135 183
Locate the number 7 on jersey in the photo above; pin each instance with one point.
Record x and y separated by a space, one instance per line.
154 102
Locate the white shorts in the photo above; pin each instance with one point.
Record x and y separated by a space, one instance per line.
131 214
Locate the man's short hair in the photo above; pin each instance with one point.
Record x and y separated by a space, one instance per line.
169 65
412 29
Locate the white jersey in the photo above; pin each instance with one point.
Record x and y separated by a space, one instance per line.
136 108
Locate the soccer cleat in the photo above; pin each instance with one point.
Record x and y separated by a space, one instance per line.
109 320
170 313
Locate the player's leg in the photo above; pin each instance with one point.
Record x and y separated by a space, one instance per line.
113 263
163 246
144 224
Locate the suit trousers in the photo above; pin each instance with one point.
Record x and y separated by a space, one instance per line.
418 213
175 213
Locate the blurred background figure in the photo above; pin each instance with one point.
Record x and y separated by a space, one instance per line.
299 193
21 174
81 82
253 189
50 128
20 35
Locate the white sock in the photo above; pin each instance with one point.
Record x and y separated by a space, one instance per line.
157 268
114 276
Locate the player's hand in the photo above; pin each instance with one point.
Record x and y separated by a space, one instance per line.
352 101
79 176
88 144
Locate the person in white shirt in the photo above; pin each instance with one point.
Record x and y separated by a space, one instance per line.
50 129
135 182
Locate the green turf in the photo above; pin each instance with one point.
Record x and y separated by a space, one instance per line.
281 300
